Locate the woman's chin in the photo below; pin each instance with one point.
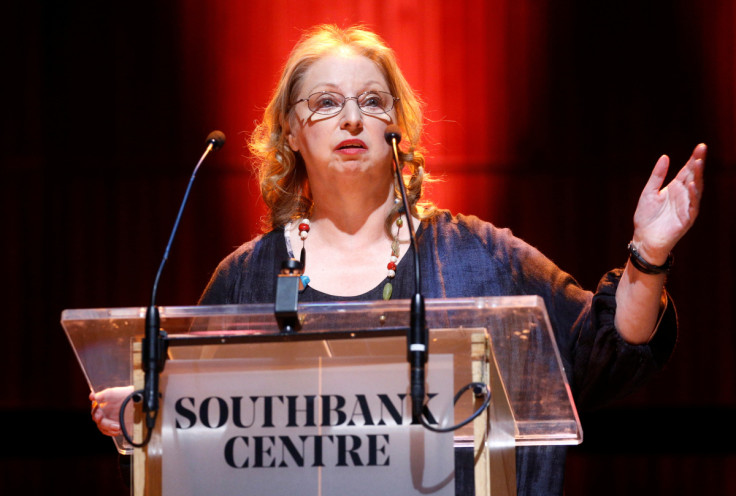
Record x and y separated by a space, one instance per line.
357 166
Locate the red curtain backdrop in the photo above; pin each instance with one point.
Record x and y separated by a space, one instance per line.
469 61
545 117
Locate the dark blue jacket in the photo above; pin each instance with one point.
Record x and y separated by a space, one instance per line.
462 256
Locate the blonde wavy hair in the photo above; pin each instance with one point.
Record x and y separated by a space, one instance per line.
281 171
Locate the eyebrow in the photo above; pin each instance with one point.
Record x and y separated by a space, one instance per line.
334 87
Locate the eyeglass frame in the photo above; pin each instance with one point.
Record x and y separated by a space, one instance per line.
394 99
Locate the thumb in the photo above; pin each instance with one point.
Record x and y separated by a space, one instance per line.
654 184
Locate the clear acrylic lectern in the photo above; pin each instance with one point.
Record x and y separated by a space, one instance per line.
248 410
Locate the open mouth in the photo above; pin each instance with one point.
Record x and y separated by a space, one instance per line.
351 145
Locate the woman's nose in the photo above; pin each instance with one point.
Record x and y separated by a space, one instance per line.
351 115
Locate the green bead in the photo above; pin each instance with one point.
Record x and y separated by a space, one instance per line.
400 222
388 289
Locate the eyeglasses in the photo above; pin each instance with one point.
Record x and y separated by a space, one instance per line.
331 103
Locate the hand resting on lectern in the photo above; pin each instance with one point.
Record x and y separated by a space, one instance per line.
106 410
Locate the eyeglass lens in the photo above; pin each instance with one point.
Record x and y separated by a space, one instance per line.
370 102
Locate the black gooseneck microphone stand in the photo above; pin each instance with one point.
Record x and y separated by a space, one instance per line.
154 352
417 337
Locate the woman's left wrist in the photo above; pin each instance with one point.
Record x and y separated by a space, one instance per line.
654 253
644 261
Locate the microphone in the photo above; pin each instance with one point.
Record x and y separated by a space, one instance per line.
393 133
153 343
216 139
417 337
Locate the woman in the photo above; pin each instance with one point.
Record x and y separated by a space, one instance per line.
326 176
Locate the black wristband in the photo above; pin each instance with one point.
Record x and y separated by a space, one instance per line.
643 266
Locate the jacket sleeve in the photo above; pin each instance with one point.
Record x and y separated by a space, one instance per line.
605 366
600 365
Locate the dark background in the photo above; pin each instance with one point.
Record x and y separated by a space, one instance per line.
546 117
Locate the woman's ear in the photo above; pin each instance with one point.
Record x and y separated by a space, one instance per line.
291 139
288 128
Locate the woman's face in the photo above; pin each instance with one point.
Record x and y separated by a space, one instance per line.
349 144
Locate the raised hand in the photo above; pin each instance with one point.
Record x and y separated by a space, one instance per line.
664 215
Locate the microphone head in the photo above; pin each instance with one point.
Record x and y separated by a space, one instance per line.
217 139
392 133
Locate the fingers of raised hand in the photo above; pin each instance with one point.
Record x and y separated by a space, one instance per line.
697 176
691 176
695 193
700 151
693 169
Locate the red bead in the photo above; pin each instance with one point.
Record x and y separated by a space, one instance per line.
304 227
391 266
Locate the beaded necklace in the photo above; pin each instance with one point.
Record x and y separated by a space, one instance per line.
304 227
